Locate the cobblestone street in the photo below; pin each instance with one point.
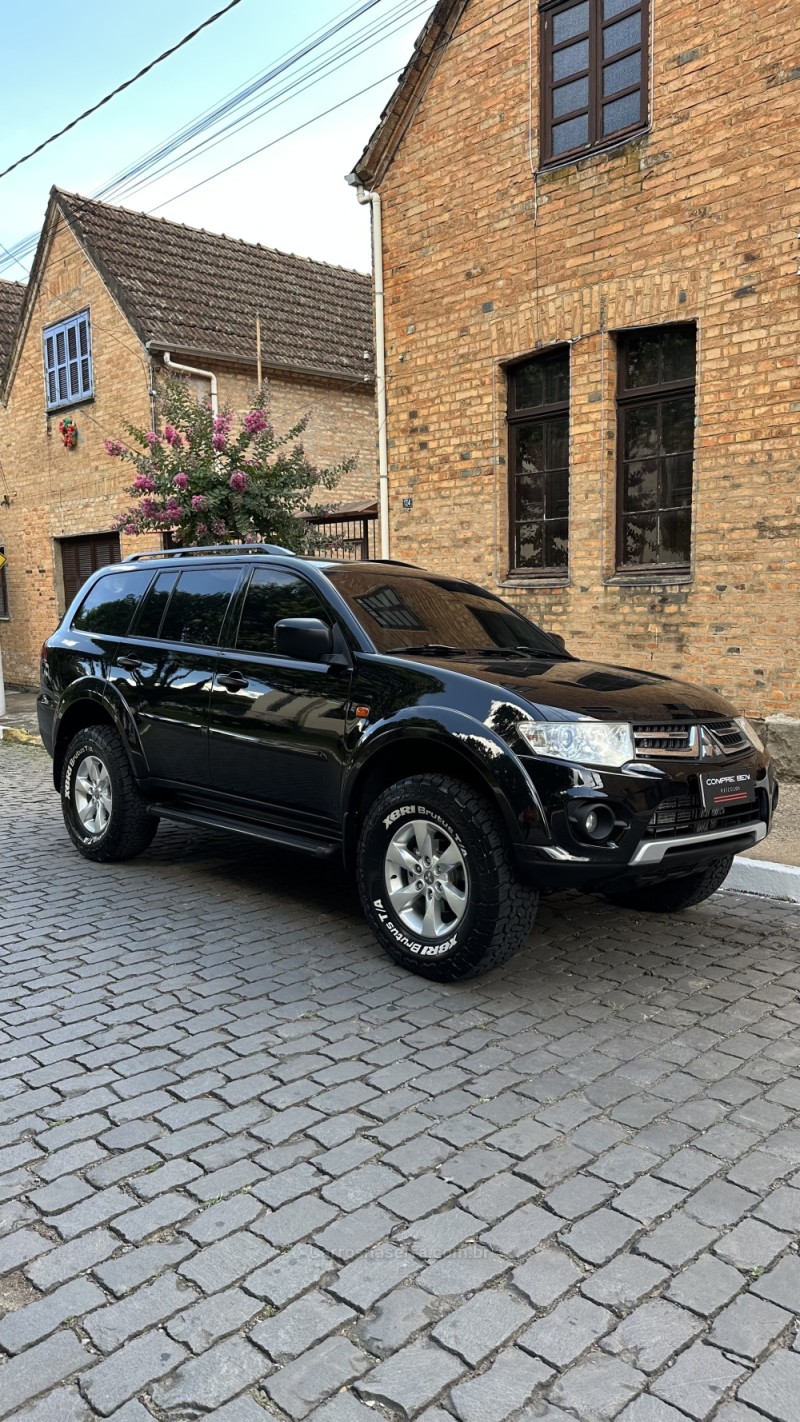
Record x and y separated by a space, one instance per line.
250 1169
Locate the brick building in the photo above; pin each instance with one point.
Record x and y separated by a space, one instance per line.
590 240
110 292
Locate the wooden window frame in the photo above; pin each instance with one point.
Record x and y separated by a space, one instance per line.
626 399
517 418
597 140
78 391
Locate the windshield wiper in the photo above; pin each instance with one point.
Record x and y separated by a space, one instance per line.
438 649
522 651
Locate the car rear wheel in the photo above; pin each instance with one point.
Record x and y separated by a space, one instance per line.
437 881
105 815
673 895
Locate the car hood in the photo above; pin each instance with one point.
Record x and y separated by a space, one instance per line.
607 693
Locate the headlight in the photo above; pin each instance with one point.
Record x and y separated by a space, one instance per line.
751 733
587 742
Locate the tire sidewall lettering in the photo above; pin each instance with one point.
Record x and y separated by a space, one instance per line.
384 915
68 798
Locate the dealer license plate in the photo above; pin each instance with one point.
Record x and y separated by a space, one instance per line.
719 789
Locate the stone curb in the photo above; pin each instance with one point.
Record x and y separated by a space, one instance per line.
25 738
763 877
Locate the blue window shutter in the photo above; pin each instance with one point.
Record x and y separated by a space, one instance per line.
68 361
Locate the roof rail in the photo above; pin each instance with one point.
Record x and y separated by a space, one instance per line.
270 549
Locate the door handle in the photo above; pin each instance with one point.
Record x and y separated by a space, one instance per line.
129 663
233 681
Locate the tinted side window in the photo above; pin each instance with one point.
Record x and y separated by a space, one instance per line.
271 596
110 604
156 601
198 605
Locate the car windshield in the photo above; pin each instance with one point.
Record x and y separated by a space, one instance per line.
421 612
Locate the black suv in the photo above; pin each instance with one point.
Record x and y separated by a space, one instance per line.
412 725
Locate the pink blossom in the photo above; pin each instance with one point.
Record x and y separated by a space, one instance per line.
218 441
144 484
238 481
173 507
172 437
199 501
219 529
181 481
129 528
152 438
150 509
113 446
255 422
201 530
222 424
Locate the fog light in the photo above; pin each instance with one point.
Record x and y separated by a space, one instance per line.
593 822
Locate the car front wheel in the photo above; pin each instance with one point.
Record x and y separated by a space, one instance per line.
437 882
673 895
105 815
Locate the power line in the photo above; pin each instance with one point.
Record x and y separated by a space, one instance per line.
108 97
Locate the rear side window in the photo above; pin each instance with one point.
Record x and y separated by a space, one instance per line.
198 605
111 602
272 595
155 605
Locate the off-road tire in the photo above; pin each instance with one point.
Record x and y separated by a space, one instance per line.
673 895
499 911
130 829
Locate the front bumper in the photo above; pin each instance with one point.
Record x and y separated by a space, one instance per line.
660 827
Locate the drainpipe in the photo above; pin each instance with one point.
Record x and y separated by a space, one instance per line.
193 370
374 200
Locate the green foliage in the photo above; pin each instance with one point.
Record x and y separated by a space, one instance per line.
206 483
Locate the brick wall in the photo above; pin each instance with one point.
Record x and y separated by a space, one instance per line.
697 220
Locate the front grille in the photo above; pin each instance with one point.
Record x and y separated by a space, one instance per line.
685 814
668 739
729 736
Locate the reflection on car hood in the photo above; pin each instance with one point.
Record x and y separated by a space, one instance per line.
608 693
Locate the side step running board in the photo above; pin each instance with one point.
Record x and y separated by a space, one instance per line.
306 844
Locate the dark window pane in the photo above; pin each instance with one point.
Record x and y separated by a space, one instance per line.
622 73
556 443
530 497
542 381
640 488
615 7
677 425
570 96
530 448
571 134
198 606
676 481
556 544
679 352
556 377
621 113
110 604
641 432
675 537
574 21
571 61
155 603
529 545
271 596
640 538
623 35
557 497
643 362
529 385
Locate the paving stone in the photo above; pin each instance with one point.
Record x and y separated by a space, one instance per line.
720 1203
20 1248
697 1380
646 1408
781 1209
737 1412
296 1221
507 1385
367 1279
774 1387
346 1408
65 1162
624 1281
436 1236
648 1199
653 1334
136 1266
168 1177
70 1259
241 1409
24 1326
565 1333
419 1197
212 1379
354 1233
547 1275
522 1139
301 1385
300 1325
222 1219
130 1369
688 1168
749 1326
599 1236
482 1325
419 1155
397 1318
227 1261
782 1284
706 1285
289 1274
62 1193
63 1405
122 1167
202 1325
361 1187
39 1368
520 1233
578 1196
751 1245
462 1272
113 1325
597 1388
140 1223
758 1171
677 1240
412 1378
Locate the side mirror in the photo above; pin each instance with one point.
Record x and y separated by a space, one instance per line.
559 640
304 639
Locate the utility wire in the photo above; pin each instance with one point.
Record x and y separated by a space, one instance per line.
146 70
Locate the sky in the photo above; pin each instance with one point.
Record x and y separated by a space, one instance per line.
291 196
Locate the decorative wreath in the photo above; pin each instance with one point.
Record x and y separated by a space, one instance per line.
69 432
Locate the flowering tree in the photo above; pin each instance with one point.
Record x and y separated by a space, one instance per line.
205 482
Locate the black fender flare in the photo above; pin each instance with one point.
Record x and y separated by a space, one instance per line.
107 698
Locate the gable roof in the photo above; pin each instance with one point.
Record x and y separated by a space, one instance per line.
12 295
396 117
